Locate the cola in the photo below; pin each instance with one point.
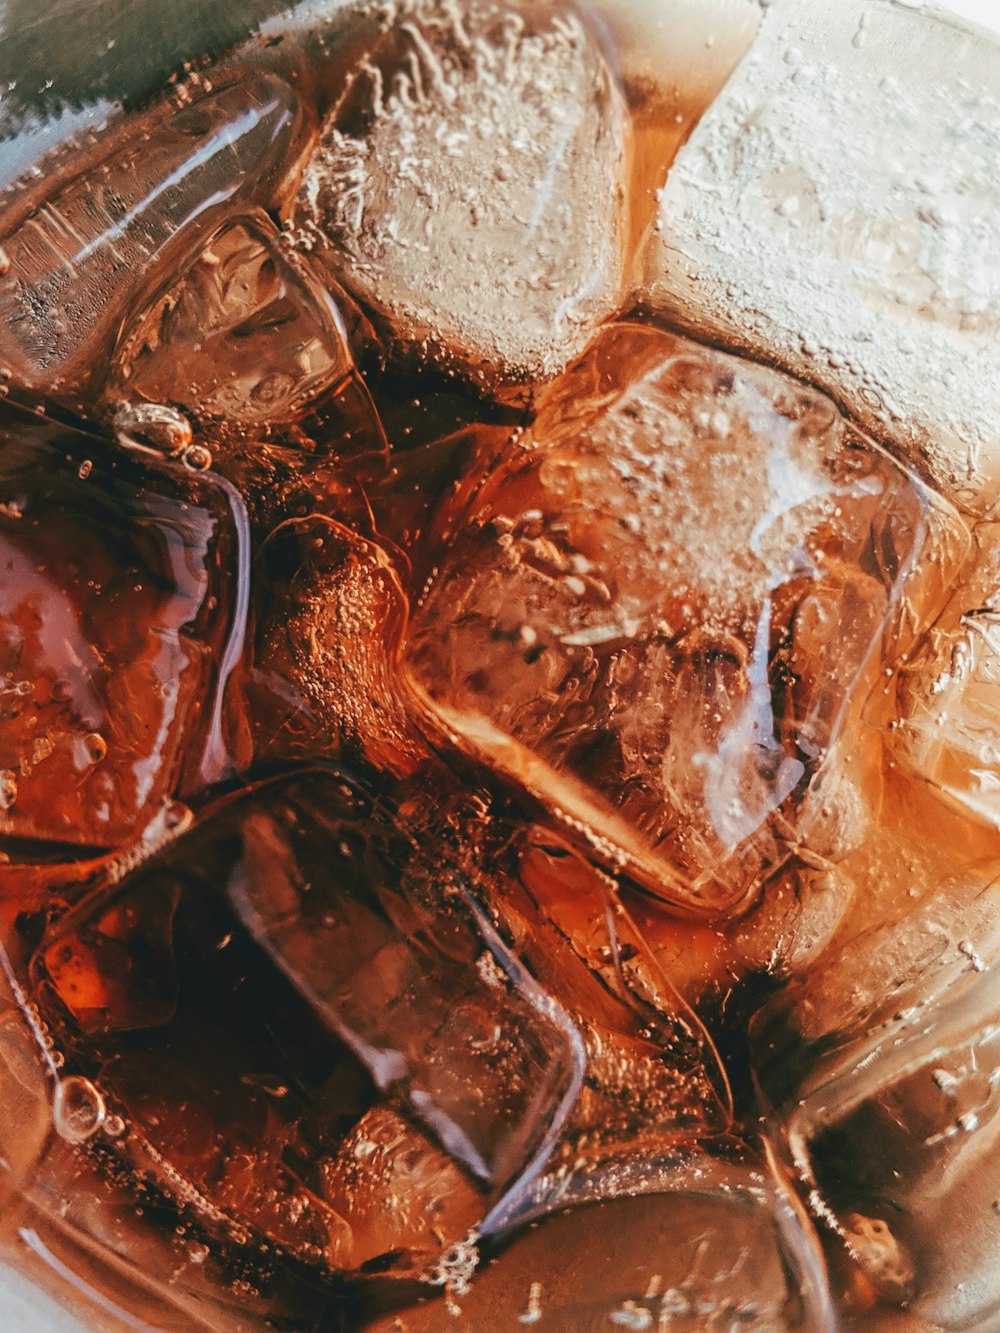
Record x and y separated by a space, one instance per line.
498 746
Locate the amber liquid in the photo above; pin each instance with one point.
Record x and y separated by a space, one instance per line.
449 818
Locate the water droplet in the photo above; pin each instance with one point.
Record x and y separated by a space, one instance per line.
8 788
78 1109
86 467
4 262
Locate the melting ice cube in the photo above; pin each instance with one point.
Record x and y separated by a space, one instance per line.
665 606
243 333
337 1023
119 620
468 188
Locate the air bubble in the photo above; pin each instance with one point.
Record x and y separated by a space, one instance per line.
114 1126
152 428
97 747
78 1109
197 458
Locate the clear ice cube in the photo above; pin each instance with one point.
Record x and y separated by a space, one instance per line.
469 186
717 1249
119 626
80 249
665 607
243 333
342 1029
886 1101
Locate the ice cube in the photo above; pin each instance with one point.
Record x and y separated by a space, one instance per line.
469 185
664 609
892 1124
25 1122
119 625
81 250
243 333
335 1029
715 1249
947 727
836 212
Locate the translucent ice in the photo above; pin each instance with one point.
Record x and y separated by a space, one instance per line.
664 609
115 630
373 1038
469 186
714 1250
80 248
890 1107
243 333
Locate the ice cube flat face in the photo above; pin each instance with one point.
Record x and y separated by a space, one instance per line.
469 187
341 1030
86 249
114 616
664 606
240 334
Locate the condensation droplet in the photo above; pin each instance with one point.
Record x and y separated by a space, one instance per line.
8 788
86 467
4 262
78 1109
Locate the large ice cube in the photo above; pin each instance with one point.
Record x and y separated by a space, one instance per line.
469 185
120 620
338 1030
883 1071
689 1246
79 250
665 606
836 211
